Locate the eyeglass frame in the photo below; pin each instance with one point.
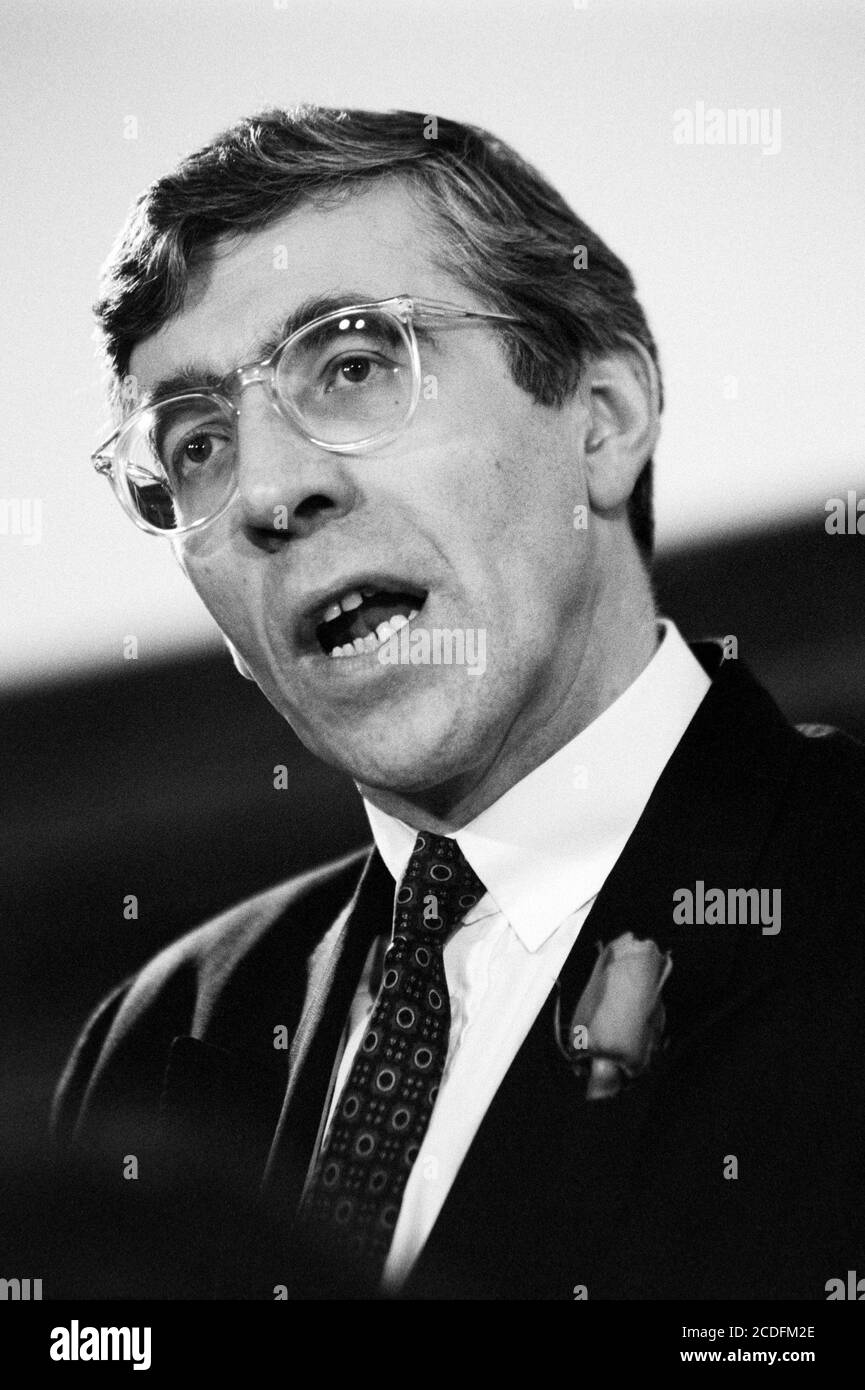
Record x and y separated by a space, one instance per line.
403 307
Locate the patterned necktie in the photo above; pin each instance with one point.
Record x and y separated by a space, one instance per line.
356 1189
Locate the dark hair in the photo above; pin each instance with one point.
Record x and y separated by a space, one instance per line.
502 230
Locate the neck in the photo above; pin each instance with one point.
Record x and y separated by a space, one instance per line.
621 642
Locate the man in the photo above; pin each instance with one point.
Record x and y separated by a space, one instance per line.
395 407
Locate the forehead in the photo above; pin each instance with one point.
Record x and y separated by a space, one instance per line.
377 243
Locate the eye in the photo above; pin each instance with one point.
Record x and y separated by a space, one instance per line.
354 370
357 369
199 450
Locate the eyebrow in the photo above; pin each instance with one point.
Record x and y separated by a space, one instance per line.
191 375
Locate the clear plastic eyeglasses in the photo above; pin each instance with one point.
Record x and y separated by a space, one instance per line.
348 381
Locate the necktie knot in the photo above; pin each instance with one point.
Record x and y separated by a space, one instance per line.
437 889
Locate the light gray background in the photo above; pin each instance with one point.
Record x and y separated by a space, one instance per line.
750 264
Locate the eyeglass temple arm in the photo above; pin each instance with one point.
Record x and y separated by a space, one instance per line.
436 307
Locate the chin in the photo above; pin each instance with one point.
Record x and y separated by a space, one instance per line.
405 767
424 738
406 776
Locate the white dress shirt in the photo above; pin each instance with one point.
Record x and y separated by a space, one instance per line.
543 851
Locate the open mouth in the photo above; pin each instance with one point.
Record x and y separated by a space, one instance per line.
363 619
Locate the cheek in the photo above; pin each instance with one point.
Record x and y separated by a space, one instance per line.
534 467
522 526
225 592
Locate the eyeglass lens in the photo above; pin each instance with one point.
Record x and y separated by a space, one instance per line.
345 380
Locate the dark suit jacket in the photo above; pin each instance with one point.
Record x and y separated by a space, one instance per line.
627 1196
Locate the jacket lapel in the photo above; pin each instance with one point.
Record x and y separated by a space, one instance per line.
707 819
334 971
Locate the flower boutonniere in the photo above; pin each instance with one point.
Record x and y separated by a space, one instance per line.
619 1019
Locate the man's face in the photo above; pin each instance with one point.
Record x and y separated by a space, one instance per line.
470 510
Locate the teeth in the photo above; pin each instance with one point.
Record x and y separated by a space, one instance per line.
393 624
347 604
370 643
352 600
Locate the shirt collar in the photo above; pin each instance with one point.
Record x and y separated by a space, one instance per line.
544 849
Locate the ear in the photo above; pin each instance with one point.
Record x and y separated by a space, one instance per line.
240 664
622 392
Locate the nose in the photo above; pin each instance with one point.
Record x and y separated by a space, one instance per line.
286 485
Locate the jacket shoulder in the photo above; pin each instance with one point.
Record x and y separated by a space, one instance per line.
834 759
216 947
821 822
211 953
